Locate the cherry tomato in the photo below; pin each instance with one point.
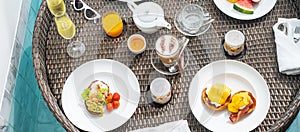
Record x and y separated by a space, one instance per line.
109 98
109 106
116 97
116 104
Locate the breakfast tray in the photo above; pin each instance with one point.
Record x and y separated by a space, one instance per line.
53 65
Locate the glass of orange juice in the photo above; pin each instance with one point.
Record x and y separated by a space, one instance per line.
112 24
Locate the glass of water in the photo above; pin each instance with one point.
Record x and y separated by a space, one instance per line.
75 49
191 17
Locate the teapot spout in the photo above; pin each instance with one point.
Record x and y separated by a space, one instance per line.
161 22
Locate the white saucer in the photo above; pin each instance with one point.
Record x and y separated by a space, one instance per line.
179 26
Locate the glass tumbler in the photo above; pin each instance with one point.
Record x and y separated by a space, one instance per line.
112 24
56 7
75 49
191 17
167 48
65 26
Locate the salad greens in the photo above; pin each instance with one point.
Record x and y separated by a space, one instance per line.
85 94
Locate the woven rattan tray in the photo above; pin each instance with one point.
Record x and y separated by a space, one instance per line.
53 66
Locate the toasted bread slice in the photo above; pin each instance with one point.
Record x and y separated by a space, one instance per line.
96 110
94 104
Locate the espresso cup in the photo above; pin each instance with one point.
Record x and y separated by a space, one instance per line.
136 43
167 48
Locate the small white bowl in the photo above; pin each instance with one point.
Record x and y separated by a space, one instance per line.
136 51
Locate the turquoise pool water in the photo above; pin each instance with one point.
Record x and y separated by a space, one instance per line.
29 111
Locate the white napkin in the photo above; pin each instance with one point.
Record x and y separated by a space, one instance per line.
176 126
288 52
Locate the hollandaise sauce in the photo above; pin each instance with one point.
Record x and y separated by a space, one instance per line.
238 102
218 94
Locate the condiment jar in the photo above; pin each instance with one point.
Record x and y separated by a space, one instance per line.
160 90
234 42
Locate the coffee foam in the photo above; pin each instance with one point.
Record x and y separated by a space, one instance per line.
167 45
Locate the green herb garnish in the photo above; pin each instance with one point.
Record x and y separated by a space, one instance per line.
85 94
103 90
100 96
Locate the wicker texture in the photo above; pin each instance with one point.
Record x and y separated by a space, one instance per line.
53 65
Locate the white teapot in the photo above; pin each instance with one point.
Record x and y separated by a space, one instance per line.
148 16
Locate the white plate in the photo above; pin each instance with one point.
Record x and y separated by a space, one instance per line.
260 9
238 76
120 79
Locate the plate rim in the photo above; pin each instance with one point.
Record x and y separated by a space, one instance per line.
192 106
245 18
110 61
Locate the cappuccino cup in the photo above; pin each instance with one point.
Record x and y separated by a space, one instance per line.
167 48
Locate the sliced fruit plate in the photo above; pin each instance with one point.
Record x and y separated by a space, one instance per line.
245 9
244 6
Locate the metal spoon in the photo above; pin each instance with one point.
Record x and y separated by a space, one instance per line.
208 22
175 67
204 24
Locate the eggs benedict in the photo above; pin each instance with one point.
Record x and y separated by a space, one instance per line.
217 97
241 104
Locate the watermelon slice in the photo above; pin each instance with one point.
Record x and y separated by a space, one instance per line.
244 6
256 1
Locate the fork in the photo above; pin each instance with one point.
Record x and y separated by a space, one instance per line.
297 34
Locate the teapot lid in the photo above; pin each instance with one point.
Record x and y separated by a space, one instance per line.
147 12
